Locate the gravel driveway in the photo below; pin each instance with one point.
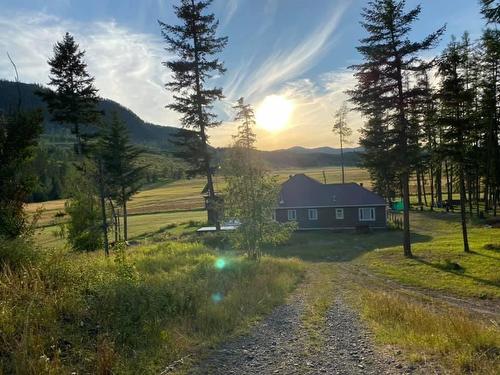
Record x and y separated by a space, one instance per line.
278 345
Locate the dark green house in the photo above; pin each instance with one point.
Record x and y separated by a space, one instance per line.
314 205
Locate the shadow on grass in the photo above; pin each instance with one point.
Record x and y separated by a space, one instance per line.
458 272
330 246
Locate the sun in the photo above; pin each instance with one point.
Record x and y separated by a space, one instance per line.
273 113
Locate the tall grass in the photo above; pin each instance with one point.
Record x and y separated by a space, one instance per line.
461 343
133 313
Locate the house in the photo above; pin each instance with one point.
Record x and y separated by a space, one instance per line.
314 205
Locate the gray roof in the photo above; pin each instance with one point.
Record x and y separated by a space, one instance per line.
303 191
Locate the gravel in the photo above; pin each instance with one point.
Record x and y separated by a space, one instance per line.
278 345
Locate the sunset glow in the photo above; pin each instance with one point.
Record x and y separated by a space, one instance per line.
274 113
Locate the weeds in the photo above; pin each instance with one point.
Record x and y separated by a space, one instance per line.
454 338
132 313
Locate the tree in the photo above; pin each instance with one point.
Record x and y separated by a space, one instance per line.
340 127
19 134
390 59
245 138
73 101
251 193
195 44
491 10
123 175
455 98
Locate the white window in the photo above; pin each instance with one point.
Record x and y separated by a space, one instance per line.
339 213
367 214
312 214
292 215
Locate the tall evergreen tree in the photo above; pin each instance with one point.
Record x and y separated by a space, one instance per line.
341 128
123 175
390 56
455 98
196 45
18 139
490 115
245 115
74 99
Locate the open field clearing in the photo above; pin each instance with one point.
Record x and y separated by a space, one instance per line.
186 194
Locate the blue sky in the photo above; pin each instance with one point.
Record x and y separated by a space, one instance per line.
299 49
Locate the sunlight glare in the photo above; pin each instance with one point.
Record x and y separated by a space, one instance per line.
273 113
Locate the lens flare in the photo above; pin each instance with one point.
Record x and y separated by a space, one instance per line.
220 263
217 297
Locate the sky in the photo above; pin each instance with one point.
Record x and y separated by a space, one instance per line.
299 50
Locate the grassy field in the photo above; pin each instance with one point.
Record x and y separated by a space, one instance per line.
402 299
133 313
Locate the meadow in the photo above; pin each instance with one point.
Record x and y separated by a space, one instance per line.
439 309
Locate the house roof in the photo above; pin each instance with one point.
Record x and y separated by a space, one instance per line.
303 191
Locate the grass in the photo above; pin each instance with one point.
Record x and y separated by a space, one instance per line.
459 342
440 263
133 313
319 294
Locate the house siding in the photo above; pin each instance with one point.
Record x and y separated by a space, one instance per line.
327 217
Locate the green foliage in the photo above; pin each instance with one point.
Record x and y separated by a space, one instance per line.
83 229
74 100
18 138
135 313
195 45
250 197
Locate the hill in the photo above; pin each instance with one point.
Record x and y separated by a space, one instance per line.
142 133
322 150
295 158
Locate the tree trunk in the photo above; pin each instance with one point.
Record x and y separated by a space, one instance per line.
431 171
103 209
406 216
419 190
125 220
424 192
463 214
439 185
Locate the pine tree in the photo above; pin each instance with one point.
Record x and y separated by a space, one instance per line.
74 99
491 10
251 192
390 57
340 127
18 139
455 98
195 44
245 115
123 175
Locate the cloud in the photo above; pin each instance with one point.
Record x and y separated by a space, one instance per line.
126 64
315 102
283 65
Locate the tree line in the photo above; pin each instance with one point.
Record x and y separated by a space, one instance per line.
436 119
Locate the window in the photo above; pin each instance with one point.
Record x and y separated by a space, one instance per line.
312 214
367 214
334 199
292 215
339 213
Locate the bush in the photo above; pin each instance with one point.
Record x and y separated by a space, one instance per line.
17 252
133 313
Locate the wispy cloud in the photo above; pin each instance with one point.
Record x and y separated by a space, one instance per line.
283 65
126 65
